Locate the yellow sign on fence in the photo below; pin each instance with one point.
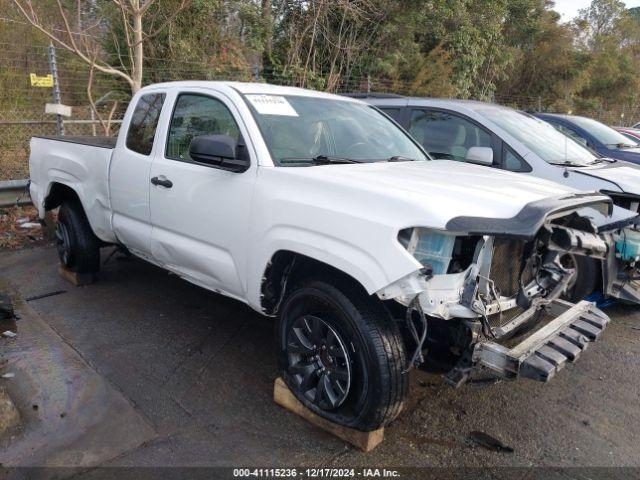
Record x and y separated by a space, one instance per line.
37 81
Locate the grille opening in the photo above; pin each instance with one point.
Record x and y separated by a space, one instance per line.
505 273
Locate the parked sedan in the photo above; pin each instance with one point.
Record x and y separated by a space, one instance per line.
597 136
506 139
631 133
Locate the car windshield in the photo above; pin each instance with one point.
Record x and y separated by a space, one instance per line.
540 137
603 133
301 130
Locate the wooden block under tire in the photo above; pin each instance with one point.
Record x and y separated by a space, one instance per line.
77 279
365 441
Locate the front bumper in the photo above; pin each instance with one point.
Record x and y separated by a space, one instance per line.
543 353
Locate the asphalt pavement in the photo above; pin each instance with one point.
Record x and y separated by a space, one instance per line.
168 374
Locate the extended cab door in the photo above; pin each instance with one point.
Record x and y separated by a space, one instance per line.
200 212
129 174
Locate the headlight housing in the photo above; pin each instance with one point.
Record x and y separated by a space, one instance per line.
433 249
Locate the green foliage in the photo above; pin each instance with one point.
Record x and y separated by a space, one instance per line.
514 51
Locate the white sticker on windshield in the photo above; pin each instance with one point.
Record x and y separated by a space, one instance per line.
272 105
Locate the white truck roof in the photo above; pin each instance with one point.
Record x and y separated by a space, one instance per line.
249 88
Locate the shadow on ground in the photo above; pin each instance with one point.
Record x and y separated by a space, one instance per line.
197 369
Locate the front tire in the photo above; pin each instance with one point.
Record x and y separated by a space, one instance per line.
78 247
342 355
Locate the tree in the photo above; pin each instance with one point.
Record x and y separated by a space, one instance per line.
600 20
84 30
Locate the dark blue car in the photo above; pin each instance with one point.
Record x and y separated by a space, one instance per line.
599 137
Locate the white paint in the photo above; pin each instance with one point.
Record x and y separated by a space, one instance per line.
220 229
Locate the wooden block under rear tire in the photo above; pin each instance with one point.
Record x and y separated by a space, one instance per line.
77 279
365 441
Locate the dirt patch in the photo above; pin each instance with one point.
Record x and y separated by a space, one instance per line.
18 227
9 416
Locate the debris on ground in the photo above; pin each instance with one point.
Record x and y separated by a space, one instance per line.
45 295
8 375
9 334
30 225
19 227
487 441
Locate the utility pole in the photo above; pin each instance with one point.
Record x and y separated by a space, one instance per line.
53 68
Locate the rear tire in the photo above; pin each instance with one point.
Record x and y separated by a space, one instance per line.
586 279
78 247
342 355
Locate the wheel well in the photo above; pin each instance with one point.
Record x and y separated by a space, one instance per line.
287 268
58 194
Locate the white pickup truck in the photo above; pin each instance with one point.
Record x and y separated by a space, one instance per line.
320 210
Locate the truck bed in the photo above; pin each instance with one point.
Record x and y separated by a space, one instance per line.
102 142
80 163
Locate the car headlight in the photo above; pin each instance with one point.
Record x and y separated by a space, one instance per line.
433 249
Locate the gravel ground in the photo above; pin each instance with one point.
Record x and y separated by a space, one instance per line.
199 369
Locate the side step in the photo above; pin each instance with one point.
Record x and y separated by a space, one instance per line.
541 355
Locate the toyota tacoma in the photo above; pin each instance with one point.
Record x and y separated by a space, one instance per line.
322 212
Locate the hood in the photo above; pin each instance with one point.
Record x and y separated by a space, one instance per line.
628 154
426 193
625 175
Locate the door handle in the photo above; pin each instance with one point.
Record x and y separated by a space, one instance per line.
162 181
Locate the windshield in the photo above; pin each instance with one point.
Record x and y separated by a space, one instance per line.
298 130
601 132
540 137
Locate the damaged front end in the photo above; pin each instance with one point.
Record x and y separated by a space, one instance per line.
621 268
494 287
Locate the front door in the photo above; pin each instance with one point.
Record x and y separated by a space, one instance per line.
200 213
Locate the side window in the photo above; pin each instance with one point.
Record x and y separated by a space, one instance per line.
196 115
446 136
513 162
142 128
395 113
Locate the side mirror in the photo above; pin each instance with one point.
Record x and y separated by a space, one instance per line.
481 155
219 151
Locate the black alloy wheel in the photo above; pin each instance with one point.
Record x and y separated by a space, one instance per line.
318 361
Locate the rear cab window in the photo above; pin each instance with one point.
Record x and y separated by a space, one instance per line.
144 122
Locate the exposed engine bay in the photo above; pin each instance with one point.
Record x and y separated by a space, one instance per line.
481 289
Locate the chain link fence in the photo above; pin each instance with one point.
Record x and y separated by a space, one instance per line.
18 126
22 106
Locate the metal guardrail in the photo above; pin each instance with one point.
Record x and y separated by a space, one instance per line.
14 192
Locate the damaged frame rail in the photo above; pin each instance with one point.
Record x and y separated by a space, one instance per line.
542 354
